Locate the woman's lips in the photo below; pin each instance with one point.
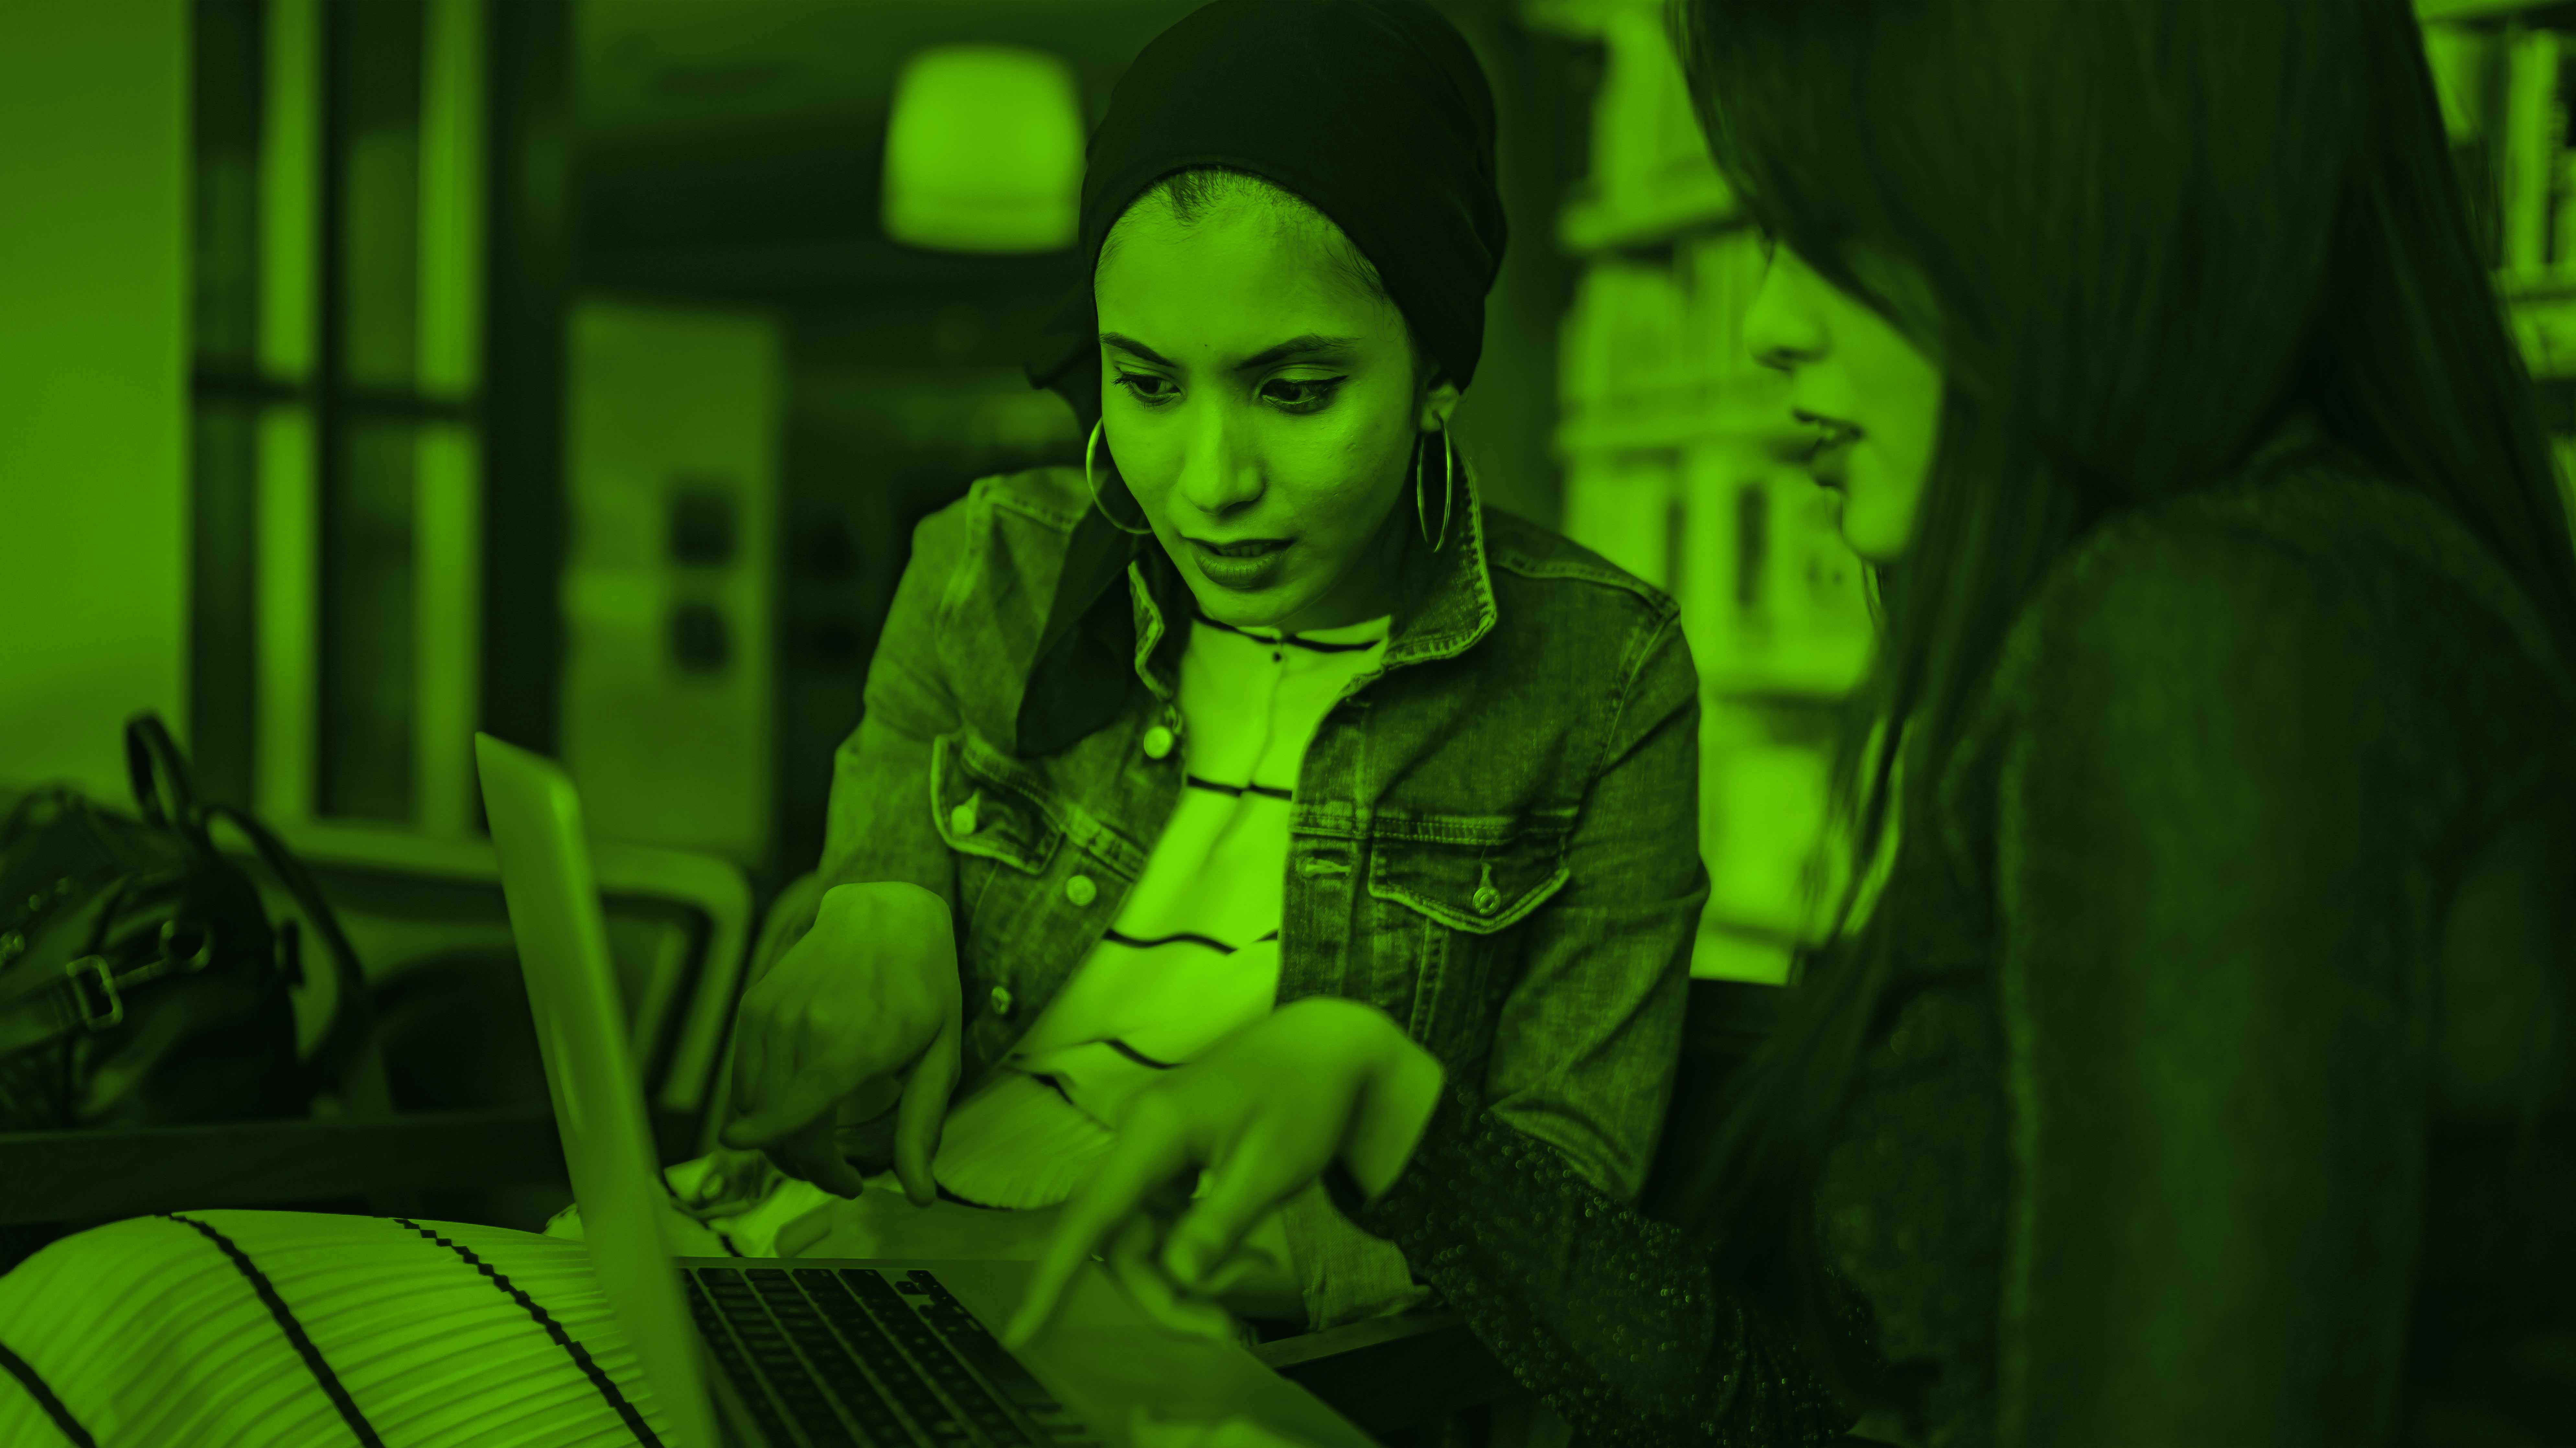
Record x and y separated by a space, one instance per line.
1246 574
1831 425
1831 453
1829 460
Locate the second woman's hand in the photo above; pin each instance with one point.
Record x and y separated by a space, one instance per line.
1265 1112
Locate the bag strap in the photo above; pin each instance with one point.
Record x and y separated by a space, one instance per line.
353 1019
153 761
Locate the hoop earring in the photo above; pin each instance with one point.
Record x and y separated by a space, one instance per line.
1088 449
1448 488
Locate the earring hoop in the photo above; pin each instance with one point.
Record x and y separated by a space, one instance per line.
1088 449
1448 488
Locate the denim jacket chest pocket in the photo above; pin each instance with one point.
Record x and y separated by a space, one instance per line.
1447 900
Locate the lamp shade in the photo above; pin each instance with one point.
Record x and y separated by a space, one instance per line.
983 151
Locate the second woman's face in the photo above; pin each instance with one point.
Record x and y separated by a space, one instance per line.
1226 439
1848 364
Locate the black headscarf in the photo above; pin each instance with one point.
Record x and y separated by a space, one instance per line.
1376 113
1373 111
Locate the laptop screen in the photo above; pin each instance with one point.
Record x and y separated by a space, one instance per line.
562 937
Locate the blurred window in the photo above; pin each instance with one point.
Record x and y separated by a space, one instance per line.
338 159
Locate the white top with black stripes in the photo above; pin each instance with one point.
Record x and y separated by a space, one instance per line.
1194 953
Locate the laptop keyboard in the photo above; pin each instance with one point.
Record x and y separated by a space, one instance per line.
848 1337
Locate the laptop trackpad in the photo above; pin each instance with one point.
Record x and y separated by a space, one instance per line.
1103 1358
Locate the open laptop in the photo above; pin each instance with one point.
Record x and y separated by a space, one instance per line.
815 1351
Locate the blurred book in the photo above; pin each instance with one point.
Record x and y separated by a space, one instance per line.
1621 506
1582 364
2563 451
2557 120
1724 271
2535 129
2468 69
1762 824
1644 132
1624 347
2544 329
2458 56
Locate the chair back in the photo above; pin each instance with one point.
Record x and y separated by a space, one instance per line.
678 926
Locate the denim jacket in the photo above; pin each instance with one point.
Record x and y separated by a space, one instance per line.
1494 836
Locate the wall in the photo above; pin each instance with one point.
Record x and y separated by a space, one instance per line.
671 482
93 442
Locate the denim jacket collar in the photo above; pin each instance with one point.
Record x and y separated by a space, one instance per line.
1094 637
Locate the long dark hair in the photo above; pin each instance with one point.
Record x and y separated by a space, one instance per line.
2151 230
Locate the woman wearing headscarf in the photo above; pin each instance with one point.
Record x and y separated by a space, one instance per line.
1258 705
2191 1068
1260 708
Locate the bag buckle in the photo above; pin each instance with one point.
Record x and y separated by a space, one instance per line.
78 971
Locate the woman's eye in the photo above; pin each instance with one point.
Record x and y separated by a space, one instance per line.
1316 392
1136 383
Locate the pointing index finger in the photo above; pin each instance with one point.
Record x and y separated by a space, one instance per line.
1149 1151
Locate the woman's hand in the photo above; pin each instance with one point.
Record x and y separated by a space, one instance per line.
1265 1111
1250 1283
861 1014
733 1181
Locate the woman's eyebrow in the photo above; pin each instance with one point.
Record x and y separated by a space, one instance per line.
1306 344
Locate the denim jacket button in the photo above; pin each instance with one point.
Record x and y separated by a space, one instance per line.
962 818
1158 742
1002 1001
1080 890
1486 898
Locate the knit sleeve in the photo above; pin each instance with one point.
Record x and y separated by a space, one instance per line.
1612 1318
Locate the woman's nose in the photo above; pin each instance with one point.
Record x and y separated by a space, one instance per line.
1776 334
1215 482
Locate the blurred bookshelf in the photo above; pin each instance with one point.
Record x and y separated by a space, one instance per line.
2469 10
2506 74
1680 464
1692 199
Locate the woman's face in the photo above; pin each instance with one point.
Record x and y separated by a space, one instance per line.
1225 439
1878 397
